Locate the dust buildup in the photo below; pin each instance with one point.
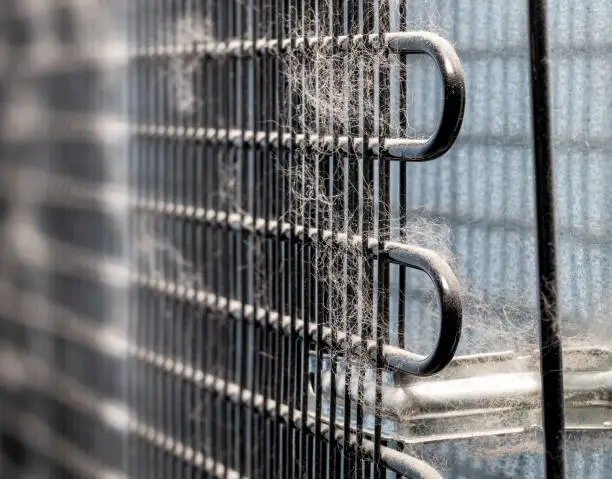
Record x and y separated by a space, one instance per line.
330 107
159 259
344 270
338 87
188 32
337 91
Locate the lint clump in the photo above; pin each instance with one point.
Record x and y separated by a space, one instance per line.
337 87
188 32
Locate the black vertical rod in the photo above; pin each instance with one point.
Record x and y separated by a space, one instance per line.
318 303
551 360
306 272
253 205
330 164
226 238
242 423
382 283
351 206
292 454
278 265
264 251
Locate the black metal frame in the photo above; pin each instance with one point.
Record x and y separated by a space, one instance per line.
551 361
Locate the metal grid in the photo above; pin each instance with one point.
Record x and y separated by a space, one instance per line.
228 352
243 363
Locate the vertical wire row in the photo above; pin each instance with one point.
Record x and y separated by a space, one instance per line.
304 257
325 16
384 220
351 198
136 446
182 323
140 371
213 160
402 194
151 168
261 249
157 185
225 254
209 410
364 218
220 161
242 421
253 206
166 312
157 333
334 224
292 458
382 269
233 269
135 187
295 257
307 263
268 281
281 353
320 297
198 238
172 319
191 437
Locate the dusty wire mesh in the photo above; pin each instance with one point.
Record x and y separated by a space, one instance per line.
256 204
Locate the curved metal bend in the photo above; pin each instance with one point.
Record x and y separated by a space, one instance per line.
449 298
451 71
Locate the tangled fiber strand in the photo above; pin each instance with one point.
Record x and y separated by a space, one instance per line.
156 252
339 88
